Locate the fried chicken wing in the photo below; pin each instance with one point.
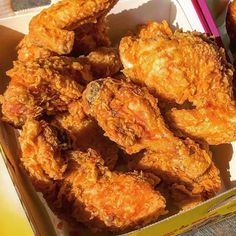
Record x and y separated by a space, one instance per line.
129 201
185 67
231 22
29 52
43 86
53 27
86 134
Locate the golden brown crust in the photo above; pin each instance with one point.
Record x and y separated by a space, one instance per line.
91 36
53 27
75 191
104 62
129 116
185 67
27 51
43 86
86 134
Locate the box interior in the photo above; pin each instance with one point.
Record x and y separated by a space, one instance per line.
123 18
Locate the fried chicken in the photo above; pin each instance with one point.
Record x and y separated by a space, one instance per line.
104 62
129 116
85 133
53 27
91 36
185 67
129 201
231 22
190 177
29 52
45 86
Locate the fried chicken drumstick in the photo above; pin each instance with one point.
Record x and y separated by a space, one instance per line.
129 201
129 116
181 67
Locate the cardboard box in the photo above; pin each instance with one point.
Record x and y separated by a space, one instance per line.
185 14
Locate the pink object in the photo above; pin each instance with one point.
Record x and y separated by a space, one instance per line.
205 17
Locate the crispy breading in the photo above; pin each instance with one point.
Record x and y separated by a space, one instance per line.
104 62
185 67
41 151
27 51
43 86
231 22
78 191
53 27
86 134
129 116
91 36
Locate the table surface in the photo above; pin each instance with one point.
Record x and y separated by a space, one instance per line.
10 205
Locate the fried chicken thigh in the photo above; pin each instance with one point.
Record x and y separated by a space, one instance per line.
53 28
129 201
43 86
180 67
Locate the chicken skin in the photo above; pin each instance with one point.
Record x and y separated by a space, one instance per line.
129 116
130 202
29 52
53 28
80 127
104 62
198 75
91 36
45 86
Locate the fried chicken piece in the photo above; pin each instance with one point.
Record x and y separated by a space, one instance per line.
129 116
41 151
191 177
53 27
185 67
45 86
86 134
231 22
29 52
87 39
91 36
130 202
104 62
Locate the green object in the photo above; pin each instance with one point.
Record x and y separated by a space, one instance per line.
26 4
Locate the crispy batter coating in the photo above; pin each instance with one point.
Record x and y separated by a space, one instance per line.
78 191
91 36
86 134
231 22
43 86
41 151
29 52
104 62
129 116
187 175
53 27
129 202
185 67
